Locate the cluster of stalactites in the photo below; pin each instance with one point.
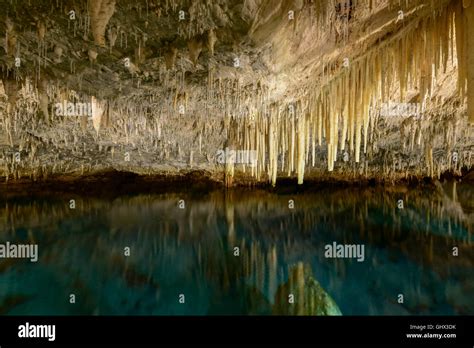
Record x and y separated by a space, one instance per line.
342 111
464 22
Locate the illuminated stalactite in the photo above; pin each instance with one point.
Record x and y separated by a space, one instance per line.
340 110
273 147
98 109
195 47
10 38
464 21
100 12
469 13
43 100
330 117
291 166
301 132
11 88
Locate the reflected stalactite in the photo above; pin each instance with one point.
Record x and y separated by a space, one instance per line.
303 295
172 246
230 216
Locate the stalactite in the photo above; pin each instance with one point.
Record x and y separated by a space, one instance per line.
41 27
313 138
100 12
10 38
469 47
211 41
301 133
43 99
273 148
345 110
460 47
307 139
11 88
335 112
195 48
429 160
292 141
350 96
97 113
112 34
170 57
92 53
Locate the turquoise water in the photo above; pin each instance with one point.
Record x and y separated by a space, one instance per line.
192 252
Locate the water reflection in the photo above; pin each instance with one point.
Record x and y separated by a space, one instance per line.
243 252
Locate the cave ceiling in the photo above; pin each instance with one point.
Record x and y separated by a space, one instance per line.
301 88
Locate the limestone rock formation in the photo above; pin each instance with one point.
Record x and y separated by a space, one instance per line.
344 89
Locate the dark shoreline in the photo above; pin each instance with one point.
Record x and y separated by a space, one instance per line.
115 183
